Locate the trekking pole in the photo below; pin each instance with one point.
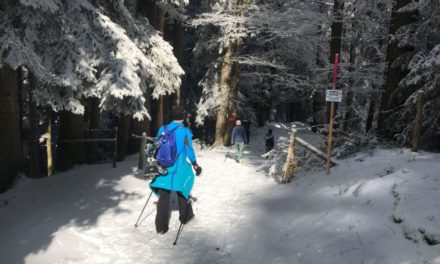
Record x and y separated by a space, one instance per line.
179 231
136 225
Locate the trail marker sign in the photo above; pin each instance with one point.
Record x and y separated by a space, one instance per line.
333 96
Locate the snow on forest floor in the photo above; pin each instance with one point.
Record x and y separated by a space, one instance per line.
380 207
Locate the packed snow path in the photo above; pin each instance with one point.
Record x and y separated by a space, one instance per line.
370 210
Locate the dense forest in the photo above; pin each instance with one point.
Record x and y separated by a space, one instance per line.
73 71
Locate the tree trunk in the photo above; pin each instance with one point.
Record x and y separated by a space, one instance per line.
93 124
371 109
349 113
393 75
160 18
123 128
335 41
20 105
132 6
228 89
159 113
177 49
70 152
318 100
233 92
136 128
34 143
229 77
418 122
336 29
147 8
10 136
318 116
273 94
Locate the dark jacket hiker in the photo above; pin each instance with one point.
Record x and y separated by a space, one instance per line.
269 140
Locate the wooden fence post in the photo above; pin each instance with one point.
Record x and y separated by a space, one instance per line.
142 151
418 122
290 166
115 147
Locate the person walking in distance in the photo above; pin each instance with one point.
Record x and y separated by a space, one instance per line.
269 140
180 176
239 138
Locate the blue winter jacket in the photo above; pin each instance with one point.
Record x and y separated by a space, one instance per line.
239 135
180 176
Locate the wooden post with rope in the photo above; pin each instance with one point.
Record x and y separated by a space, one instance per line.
290 166
115 147
142 151
332 110
144 139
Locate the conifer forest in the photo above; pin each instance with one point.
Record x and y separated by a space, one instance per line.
69 68
84 82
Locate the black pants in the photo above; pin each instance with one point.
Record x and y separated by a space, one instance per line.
163 210
269 148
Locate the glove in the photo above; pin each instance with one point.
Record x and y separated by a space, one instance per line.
197 168
198 171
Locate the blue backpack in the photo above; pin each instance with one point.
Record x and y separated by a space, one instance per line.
166 154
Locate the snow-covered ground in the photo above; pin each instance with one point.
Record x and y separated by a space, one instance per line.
373 208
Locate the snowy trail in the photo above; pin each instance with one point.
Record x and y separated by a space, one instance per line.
91 219
366 212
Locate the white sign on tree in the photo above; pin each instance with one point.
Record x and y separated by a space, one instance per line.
333 96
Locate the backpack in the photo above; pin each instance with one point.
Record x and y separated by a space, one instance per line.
166 154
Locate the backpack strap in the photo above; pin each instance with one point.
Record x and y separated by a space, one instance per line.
186 140
177 127
165 129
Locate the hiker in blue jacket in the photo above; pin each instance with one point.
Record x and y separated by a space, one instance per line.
239 138
179 177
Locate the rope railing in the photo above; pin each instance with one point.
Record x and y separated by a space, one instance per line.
346 120
290 165
114 139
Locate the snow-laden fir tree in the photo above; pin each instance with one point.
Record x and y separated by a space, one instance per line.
275 25
423 75
85 49
81 49
363 57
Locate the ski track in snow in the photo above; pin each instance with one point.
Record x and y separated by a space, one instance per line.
87 215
